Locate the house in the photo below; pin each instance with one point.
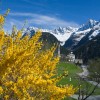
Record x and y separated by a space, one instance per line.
71 57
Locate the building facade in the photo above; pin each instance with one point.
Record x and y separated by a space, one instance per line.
71 57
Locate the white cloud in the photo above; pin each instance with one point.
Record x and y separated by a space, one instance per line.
39 20
9 24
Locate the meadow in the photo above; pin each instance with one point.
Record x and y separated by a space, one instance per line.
73 77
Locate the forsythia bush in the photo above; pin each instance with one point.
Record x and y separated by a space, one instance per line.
26 71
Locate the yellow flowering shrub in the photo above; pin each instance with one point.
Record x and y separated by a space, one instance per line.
27 72
1 19
1 90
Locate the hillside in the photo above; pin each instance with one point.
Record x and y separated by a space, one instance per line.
83 41
89 50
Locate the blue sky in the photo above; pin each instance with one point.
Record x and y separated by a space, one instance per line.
50 13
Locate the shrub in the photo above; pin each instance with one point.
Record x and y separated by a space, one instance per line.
27 72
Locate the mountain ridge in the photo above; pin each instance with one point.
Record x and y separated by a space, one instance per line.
70 37
62 34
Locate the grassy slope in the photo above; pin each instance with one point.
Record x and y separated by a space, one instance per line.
73 70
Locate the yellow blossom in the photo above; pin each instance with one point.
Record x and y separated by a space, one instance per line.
6 97
27 71
1 19
1 90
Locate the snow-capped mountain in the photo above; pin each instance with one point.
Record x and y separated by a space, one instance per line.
88 31
84 41
90 24
96 31
69 36
84 29
88 49
62 34
89 46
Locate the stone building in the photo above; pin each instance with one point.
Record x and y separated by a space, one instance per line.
71 57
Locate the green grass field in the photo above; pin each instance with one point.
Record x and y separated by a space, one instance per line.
72 73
